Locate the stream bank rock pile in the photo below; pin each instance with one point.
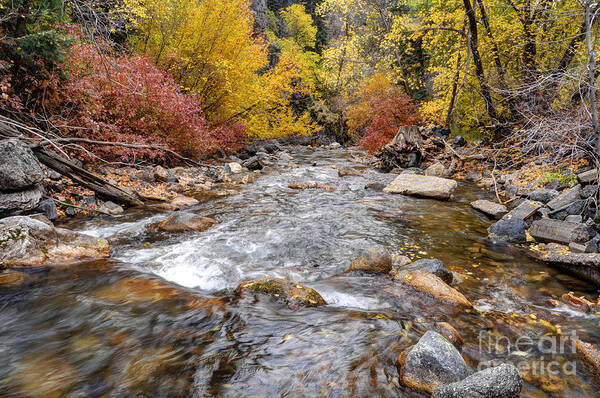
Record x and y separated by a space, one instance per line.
559 220
21 176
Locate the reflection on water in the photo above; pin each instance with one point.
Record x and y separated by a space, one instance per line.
161 319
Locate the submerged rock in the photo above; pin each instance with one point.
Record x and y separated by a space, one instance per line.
349 171
293 294
25 241
433 286
14 278
43 375
431 363
433 266
503 381
19 168
182 221
425 186
375 260
310 185
511 230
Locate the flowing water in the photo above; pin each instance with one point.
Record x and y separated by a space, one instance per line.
162 319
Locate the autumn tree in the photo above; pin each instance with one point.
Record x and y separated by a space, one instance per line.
210 49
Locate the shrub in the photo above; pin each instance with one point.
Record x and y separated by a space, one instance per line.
379 109
128 99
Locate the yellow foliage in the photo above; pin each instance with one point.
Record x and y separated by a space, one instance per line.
211 50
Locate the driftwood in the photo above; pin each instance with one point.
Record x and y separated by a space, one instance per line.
102 187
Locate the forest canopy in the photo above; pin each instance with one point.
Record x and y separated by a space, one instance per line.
231 71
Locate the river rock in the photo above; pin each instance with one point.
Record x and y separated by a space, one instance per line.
588 176
425 186
111 208
590 353
568 196
492 209
293 294
19 168
433 266
16 202
349 171
503 381
375 186
178 203
25 241
524 210
182 221
547 230
311 185
233 168
588 191
253 163
160 174
431 363
511 230
436 170
374 260
449 333
543 195
432 286
48 209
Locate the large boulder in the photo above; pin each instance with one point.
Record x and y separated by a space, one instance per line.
433 266
182 221
431 363
511 230
291 293
375 260
16 202
25 241
433 286
425 186
19 168
503 381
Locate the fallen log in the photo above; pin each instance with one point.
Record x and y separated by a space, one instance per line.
103 188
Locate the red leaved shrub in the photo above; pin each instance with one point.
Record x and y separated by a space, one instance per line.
387 114
128 99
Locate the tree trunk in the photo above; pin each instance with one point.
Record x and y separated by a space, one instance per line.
479 71
591 75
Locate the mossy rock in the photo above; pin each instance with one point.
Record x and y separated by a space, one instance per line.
293 294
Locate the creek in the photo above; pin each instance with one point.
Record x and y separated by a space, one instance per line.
161 318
